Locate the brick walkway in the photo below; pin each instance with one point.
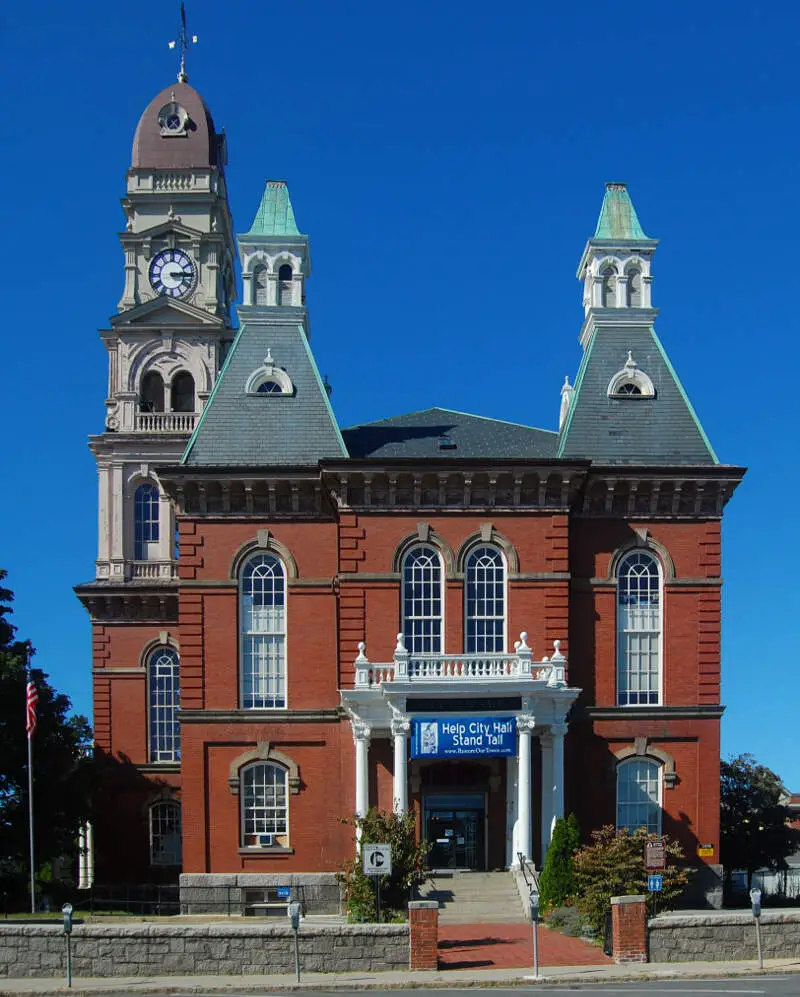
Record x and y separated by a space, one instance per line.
510 946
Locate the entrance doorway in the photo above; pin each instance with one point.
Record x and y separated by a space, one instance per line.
455 829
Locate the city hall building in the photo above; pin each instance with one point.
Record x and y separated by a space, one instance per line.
486 624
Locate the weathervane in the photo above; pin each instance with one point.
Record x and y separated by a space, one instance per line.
183 43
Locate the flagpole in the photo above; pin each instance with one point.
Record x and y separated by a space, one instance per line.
29 732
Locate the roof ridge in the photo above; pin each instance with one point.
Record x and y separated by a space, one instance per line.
440 408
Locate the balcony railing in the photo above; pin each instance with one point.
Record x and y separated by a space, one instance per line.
407 667
165 422
154 569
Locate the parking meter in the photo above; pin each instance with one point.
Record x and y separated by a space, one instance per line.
534 905
294 915
755 900
66 910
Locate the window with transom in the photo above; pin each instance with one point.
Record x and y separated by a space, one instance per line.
145 522
163 668
638 630
263 623
485 594
422 600
639 795
265 805
165 833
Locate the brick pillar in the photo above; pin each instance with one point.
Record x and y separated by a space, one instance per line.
423 917
629 926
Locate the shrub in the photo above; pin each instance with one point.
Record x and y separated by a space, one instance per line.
614 866
567 920
408 858
557 882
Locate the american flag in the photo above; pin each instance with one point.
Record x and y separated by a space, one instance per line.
31 699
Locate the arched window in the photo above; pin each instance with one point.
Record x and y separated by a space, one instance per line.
183 392
260 283
265 805
638 630
634 289
639 795
165 833
145 522
269 388
609 288
163 667
422 600
151 393
485 593
263 616
285 285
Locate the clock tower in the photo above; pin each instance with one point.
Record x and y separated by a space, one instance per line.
165 345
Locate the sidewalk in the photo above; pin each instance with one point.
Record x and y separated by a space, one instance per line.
457 979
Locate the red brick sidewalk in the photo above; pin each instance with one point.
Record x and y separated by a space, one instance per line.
510 946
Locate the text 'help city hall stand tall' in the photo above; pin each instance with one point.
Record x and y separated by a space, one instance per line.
484 623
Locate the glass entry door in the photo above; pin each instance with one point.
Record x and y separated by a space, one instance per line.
454 828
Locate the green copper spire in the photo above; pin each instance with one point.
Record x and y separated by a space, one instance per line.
275 215
618 219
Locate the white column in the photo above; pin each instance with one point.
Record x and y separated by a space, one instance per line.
512 845
525 725
400 729
546 742
558 731
361 735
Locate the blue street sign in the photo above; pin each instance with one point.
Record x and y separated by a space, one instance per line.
655 884
463 737
284 892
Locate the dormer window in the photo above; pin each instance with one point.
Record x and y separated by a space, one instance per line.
631 382
173 119
269 379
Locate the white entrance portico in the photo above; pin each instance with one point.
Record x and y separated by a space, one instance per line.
388 697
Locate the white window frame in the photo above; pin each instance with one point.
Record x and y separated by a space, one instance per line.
159 754
623 769
503 617
415 642
174 858
274 633
246 832
623 641
150 548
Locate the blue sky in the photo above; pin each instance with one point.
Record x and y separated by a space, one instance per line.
448 161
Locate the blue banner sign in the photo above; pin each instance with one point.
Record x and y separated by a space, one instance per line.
463 737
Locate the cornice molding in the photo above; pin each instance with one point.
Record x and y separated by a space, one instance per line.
636 713
260 716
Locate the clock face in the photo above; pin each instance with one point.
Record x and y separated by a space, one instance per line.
173 273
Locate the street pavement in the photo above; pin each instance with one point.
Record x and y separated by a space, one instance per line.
780 978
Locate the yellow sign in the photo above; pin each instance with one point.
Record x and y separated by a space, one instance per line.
705 851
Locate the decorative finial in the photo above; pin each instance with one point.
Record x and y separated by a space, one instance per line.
630 362
400 644
268 361
361 648
557 646
183 43
523 641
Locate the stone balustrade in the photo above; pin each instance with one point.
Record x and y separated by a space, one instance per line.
165 422
407 667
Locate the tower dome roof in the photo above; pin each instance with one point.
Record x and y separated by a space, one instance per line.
177 131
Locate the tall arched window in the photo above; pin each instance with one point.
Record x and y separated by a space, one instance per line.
638 630
165 833
151 392
163 678
265 805
263 621
145 522
609 288
285 285
639 795
485 594
634 288
183 392
260 283
422 600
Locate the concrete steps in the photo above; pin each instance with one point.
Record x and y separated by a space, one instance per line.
474 897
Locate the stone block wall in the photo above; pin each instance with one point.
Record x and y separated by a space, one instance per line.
724 936
251 948
226 893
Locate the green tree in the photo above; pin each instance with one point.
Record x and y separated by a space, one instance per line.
557 882
61 775
754 829
408 859
613 865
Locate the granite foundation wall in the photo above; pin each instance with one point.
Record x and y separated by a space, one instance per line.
251 948
228 893
723 936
